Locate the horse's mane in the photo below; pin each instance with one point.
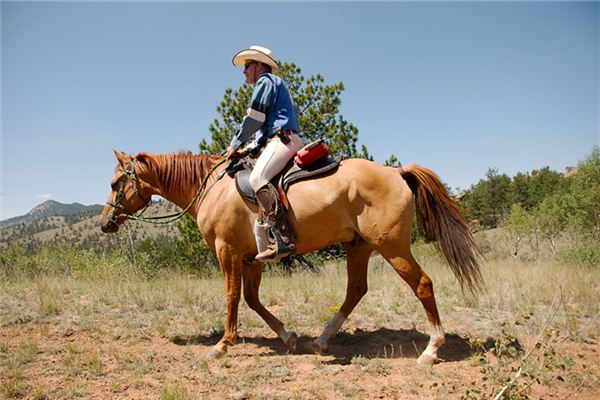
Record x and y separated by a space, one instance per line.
179 171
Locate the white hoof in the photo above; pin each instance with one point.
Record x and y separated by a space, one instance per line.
427 360
213 354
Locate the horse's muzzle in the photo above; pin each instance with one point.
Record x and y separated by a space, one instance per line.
108 225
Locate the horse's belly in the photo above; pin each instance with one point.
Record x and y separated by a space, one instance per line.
320 218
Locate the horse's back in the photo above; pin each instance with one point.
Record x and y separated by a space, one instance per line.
361 198
356 182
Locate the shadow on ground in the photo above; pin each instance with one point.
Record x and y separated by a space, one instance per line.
380 343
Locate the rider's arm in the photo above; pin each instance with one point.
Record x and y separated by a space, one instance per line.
262 97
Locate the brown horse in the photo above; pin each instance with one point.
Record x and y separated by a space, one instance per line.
366 206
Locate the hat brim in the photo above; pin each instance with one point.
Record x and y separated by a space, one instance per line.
253 55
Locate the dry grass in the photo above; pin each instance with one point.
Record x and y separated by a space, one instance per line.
102 337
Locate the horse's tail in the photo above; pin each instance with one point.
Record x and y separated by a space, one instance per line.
440 220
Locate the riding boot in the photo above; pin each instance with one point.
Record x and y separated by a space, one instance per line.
273 216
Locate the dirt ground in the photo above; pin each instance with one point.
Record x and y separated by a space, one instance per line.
71 361
103 337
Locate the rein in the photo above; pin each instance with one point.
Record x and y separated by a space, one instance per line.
166 219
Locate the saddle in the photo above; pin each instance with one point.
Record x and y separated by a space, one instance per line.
291 173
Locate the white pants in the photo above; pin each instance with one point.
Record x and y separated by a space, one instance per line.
274 157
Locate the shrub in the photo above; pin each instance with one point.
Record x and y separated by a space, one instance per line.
581 252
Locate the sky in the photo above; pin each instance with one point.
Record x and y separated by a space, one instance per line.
458 87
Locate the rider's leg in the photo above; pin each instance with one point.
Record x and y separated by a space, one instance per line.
272 216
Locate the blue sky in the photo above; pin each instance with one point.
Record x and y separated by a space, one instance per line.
457 87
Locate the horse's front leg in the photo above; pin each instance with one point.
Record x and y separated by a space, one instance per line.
231 266
252 275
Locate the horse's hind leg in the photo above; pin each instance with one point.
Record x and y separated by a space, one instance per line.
408 268
357 264
252 276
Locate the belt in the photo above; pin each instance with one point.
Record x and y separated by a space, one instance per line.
283 135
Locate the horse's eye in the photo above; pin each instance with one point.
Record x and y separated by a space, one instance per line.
114 185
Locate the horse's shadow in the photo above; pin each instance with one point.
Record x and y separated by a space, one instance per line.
380 343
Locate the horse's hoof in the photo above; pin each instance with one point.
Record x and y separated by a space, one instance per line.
427 360
213 354
319 348
291 341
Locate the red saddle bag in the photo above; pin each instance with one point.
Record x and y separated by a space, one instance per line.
311 153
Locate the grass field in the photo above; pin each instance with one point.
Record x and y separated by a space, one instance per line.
114 333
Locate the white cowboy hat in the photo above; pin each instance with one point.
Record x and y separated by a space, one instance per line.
255 53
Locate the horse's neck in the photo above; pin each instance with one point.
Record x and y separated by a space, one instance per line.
182 200
182 197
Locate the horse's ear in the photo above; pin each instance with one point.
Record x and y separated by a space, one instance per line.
121 157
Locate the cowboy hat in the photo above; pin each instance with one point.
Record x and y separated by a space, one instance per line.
255 53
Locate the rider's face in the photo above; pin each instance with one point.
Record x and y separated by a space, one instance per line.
252 71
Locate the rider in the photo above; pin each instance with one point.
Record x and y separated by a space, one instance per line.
273 120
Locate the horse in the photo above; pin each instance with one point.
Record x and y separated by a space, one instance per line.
363 205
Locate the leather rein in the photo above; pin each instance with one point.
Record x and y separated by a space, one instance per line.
161 219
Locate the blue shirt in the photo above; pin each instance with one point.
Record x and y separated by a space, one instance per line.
271 108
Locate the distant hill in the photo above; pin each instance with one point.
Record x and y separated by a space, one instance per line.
54 222
51 208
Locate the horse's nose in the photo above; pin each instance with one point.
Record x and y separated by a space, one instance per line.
108 225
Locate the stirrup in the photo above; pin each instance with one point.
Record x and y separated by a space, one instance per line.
277 250
272 255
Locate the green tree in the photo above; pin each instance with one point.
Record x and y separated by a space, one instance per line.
518 226
552 217
542 184
499 195
488 201
192 249
520 190
392 161
585 188
318 106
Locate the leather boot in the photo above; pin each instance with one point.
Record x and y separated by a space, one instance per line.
271 214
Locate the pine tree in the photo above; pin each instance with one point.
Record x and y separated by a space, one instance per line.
489 201
318 106
542 183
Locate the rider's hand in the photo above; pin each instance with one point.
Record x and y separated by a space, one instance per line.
230 153
241 153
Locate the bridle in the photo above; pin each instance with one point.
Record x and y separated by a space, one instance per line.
134 184
161 219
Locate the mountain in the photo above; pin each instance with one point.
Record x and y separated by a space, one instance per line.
52 223
54 208
51 208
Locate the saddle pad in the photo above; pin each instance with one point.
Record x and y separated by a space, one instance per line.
242 184
296 173
292 174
